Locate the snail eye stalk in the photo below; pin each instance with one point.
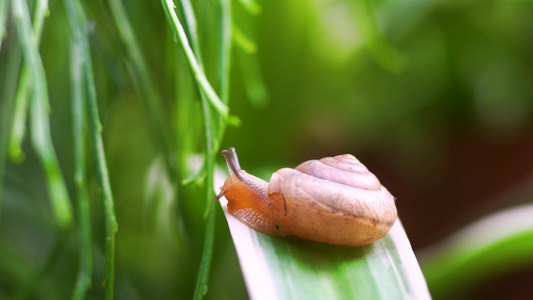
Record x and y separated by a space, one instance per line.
233 162
235 158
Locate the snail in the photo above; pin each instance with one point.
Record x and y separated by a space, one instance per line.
333 200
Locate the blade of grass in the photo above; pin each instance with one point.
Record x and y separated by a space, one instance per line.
223 76
41 138
4 7
179 32
207 251
209 236
18 129
79 26
6 107
211 143
226 35
224 59
192 31
186 119
79 126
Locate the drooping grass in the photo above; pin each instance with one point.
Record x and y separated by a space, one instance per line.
213 126
40 126
214 115
80 38
79 130
4 7
192 59
6 106
23 91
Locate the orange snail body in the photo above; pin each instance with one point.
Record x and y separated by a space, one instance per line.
333 200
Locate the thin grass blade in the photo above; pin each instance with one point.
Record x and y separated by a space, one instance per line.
4 7
79 130
7 104
41 139
80 37
179 32
23 91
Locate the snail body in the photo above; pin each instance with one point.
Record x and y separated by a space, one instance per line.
333 200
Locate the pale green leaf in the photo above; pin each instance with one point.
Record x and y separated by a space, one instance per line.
497 244
278 268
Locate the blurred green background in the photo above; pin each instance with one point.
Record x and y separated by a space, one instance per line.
434 97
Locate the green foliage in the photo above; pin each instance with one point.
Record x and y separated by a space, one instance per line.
499 243
117 114
177 114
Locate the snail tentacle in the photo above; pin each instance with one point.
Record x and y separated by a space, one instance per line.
233 165
232 162
235 158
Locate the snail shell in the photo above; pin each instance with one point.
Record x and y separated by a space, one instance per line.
334 200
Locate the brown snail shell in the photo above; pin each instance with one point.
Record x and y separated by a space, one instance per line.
334 200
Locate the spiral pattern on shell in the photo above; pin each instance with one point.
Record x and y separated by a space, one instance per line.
344 169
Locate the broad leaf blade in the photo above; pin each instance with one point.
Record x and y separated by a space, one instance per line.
278 268
497 244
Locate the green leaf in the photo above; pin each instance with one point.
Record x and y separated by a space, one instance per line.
499 243
278 268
